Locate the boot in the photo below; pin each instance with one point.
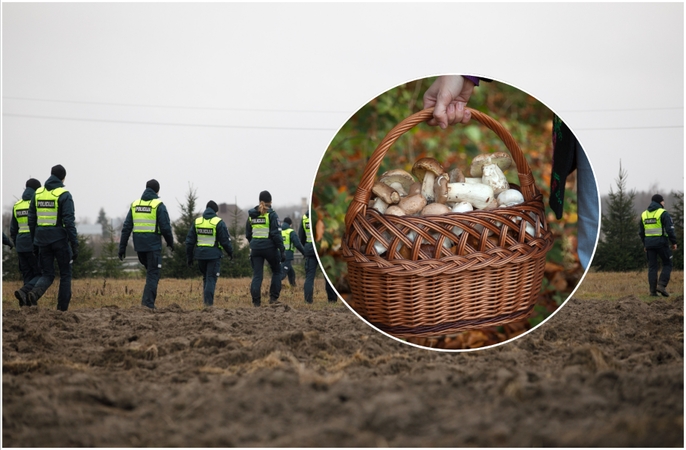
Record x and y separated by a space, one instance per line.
33 298
661 289
21 296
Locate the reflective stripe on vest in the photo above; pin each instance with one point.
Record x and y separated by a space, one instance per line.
144 215
286 234
652 222
206 230
21 213
260 226
306 224
47 206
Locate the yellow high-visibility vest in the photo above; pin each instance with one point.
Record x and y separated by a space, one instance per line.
21 213
144 215
206 230
652 223
47 206
260 226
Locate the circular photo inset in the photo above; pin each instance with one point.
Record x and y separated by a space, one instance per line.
455 212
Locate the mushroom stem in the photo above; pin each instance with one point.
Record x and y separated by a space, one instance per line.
428 187
479 195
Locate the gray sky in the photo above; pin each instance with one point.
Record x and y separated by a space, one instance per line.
237 98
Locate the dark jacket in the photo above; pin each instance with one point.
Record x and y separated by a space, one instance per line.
223 239
274 241
294 241
6 241
23 241
148 242
66 223
667 228
308 247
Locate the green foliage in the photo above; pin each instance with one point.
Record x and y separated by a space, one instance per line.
620 248
85 265
678 218
108 263
105 223
175 266
240 265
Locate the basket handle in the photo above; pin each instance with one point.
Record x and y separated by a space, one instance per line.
364 191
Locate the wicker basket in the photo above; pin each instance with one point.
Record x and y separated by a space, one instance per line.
479 281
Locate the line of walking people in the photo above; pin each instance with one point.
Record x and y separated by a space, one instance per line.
43 231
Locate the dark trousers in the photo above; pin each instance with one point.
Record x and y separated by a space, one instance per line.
59 251
30 270
288 271
257 259
665 255
210 273
153 265
310 272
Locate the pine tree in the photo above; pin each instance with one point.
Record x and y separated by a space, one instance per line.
620 249
175 266
84 266
104 223
108 264
678 219
240 265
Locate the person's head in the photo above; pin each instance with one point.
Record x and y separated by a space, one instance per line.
288 221
154 185
59 171
265 202
33 184
212 204
657 198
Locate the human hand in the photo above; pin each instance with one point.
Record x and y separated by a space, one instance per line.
283 257
674 247
171 248
189 263
74 255
122 256
449 95
36 250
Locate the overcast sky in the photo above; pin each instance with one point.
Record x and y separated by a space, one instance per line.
235 98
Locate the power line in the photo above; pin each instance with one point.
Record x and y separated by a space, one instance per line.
177 107
132 122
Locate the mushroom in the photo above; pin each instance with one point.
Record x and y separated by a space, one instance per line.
473 180
494 177
441 188
462 207
510 197
399 180
385 195
427 169
415 188
435 209
456 176
479 195
501 159
412 204
394 210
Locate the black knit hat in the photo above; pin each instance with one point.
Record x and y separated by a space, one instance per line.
213 205
266 197
33 183
154 185
657 198
288 221
59 171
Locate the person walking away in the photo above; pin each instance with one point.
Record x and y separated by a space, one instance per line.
148 220
266 244
656 230
305 234
290 241
205 242
20 236
53 231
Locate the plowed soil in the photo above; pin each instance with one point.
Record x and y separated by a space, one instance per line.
599 373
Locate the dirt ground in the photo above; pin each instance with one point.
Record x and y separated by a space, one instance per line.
599 373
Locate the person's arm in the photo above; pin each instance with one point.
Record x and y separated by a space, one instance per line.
449 95
191 240
33 217
668 226
296 242
248 230
66 203
14 229
224 238
126 229
164 225
6 241
641 231
275 232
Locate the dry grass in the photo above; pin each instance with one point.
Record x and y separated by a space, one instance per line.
230 293
616 285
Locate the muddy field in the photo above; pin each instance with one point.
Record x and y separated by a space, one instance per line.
599 373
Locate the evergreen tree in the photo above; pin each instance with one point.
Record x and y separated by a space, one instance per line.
84 266
620 249
240 265
104 223
108 264
175 266
678 217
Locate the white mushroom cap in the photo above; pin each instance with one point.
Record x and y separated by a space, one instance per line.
510 197
397 177
501 159
494 177
462 207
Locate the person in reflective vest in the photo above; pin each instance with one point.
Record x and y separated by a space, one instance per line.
149 222
20 235
656 230
266 244
53 230
305 233
290 242
205 242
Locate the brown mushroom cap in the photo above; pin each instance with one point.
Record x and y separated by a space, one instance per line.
385 193
395 210
501 159
424 165
435 209
397 176
412 204
441 189
415 188
456 175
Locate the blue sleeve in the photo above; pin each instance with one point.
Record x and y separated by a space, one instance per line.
33 217
668 225
275 231
248 230
164 224
68 218
224 238
296 242
14 228
6 241
191 240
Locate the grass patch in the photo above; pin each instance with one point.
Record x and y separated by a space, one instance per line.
616 285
